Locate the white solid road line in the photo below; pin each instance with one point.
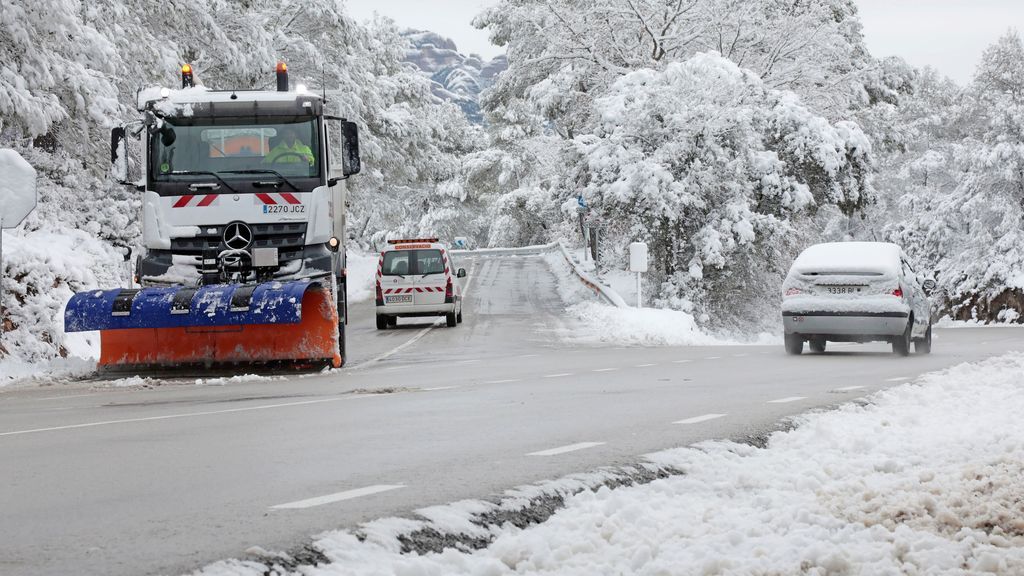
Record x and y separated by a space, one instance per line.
699 419
789 399
337 497
557 375
898 379
848 388
182 415
564 449
605 370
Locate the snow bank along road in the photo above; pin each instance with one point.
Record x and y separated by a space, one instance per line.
168 478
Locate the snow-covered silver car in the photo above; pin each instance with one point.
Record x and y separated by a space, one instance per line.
856 292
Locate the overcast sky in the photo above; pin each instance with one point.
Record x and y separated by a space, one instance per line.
947 34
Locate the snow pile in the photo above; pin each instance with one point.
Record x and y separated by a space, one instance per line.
882 488
42 270
362 270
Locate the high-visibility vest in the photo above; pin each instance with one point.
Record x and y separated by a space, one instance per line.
284 150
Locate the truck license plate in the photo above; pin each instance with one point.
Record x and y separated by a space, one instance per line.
403 299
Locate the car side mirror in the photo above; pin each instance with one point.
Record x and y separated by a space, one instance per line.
929 286
461 273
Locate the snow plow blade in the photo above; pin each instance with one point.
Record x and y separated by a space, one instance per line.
273 322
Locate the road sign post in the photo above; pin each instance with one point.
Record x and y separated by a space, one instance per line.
638 264
17 199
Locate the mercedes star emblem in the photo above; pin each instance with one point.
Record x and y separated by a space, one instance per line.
238 236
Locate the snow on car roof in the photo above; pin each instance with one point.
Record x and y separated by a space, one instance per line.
849 257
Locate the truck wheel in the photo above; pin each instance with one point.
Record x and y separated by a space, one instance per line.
794 344
382 322
450 318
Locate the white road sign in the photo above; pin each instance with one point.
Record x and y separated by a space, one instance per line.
17 188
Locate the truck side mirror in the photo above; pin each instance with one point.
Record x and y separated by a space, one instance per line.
351 163
119 155
461 273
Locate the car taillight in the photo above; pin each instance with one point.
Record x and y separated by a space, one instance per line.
449 295
380 296
793 292
898 292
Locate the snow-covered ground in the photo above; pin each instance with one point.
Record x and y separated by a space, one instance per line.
876 487
602 323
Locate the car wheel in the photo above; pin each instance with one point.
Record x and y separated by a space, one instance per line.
901 345
924 345
794 344
817 345
382 322
450 318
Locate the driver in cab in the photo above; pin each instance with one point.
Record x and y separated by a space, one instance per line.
290 150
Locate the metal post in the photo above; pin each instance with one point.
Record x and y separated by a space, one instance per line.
639 297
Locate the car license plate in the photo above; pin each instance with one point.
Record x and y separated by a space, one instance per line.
844 289
403 299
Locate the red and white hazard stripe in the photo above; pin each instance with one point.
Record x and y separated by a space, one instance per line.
419 289
277 198
195 201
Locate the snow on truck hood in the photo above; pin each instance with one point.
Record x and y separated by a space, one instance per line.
881 258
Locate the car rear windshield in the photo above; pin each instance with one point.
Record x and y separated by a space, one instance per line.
413 262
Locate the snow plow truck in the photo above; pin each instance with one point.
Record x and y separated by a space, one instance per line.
243 223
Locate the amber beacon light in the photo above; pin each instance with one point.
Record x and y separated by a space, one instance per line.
186 76
282 77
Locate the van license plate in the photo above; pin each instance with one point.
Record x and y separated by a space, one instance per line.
843 289
403 299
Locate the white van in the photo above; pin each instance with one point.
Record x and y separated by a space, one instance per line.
856 292
416 278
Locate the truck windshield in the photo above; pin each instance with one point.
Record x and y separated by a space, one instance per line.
189 148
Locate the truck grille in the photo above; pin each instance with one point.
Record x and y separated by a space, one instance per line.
288 238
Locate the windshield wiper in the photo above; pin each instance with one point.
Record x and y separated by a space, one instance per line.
202 173
265 171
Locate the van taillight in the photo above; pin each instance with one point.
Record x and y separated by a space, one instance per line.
380 296
898 292
449 295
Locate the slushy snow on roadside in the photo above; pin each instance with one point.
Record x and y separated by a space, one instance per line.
923 478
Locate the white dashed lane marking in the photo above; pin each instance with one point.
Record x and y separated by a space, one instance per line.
605 370
848 388
787 400
502 381
564 449
898 379
699 419
644 365
337 497
681 361
437 388
557 375
712 357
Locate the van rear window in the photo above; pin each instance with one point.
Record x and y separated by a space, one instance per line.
412 263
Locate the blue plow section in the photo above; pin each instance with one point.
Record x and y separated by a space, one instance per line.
183 307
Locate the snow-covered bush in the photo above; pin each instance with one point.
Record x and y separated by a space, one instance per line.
713 169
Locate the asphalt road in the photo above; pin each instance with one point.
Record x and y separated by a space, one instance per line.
166 479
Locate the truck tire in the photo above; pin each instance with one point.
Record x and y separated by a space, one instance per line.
382 322
451 320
